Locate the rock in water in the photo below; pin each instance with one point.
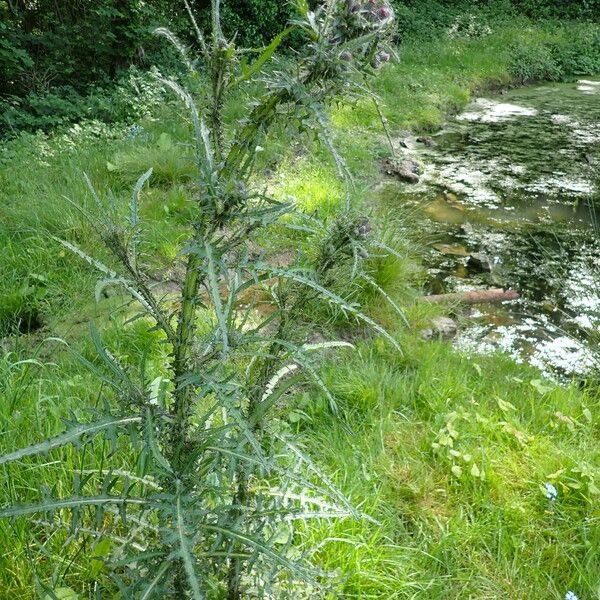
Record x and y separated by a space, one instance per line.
451 249
480 261
450 196
441 327
406 170
427 140
445 327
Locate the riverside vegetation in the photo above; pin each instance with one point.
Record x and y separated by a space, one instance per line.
398 469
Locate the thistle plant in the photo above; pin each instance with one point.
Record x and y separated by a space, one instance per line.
209 510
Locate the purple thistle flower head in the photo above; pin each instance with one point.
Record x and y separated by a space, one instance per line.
383 56
385 12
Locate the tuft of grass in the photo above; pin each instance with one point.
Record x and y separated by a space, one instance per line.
171 162
458 449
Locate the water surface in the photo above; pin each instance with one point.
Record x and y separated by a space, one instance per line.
517 177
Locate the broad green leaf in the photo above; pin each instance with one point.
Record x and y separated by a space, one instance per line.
505 406
98 556
63 593
542 387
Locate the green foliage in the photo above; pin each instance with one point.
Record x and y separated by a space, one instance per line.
436 535
453 452
135 95
218 483
59 63
170 161
556 56
586 9
429 18
255 22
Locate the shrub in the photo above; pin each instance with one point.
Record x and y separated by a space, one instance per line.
135 95
581 54
534 61
555 57
218 483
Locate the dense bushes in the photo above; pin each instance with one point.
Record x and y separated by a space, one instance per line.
427 17
134 94
557 57
561 9
56 59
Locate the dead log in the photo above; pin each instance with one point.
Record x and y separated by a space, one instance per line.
474 297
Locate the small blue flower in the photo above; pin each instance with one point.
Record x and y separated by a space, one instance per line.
552 494
135 131
571 596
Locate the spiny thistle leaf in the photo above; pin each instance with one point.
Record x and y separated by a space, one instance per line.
203 145
151 588
199 34
186 551
74 502
134 218
331 487
176 43
71 436
386 296
113 275
256 67
332 298
153 443
262 547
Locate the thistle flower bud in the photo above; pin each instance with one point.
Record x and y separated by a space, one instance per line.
363 227
385 13
346 55
379 59
383 56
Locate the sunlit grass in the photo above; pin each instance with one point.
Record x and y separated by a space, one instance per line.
476 531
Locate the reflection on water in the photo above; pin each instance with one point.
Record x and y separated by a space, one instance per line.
517 178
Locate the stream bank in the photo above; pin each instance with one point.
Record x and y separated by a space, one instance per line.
508 196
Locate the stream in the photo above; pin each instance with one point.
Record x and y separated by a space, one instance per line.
516 179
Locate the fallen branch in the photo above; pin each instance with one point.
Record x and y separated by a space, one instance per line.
474 297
